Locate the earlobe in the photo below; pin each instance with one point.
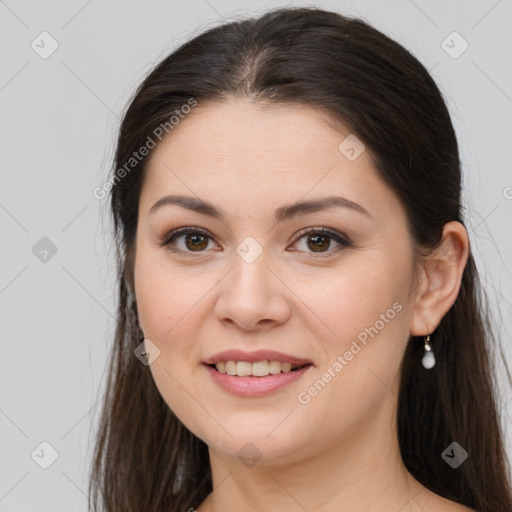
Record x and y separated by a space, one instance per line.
441 277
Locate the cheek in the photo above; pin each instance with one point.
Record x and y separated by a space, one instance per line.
369 317
164 297
171 306
348 302
168 315
367 314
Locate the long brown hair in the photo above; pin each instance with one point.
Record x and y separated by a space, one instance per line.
145 459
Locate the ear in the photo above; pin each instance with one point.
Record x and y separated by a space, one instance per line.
439 278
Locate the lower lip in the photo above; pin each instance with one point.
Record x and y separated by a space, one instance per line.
255 386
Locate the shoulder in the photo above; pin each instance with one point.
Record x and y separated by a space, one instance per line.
446 505
458 507
428 500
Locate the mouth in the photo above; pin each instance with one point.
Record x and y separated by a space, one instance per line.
255 379
262 368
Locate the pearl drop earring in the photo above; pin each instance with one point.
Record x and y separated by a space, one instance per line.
429 359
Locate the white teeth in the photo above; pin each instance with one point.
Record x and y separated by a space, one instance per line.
243 368
257 369
286 367
230 367
274 367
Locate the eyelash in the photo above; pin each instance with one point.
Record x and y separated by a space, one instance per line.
341 239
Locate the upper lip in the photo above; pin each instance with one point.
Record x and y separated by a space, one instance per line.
253 357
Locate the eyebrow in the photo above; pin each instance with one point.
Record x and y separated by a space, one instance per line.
281 214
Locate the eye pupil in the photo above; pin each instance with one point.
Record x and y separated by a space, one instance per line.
196 239
317 244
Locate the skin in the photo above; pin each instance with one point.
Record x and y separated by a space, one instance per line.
340 450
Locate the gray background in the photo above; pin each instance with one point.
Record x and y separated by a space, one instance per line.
59 118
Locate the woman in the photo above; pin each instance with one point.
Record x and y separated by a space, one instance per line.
299 323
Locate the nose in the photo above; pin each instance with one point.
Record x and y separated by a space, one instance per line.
252 296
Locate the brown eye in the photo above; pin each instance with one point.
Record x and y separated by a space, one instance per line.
187 241
317 243
319 240
196 242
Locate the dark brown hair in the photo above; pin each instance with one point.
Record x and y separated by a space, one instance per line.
145 459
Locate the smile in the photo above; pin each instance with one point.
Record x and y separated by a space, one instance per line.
255 369
249 385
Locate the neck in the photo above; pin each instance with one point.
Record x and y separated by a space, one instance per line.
363 472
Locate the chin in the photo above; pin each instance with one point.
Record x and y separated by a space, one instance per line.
259 447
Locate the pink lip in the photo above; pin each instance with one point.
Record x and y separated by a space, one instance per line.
254 386
253 357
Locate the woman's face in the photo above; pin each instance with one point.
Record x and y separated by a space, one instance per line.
250 279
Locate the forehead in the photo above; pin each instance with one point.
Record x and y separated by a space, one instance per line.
239 129
279 153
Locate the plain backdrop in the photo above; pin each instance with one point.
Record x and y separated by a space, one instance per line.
59 116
